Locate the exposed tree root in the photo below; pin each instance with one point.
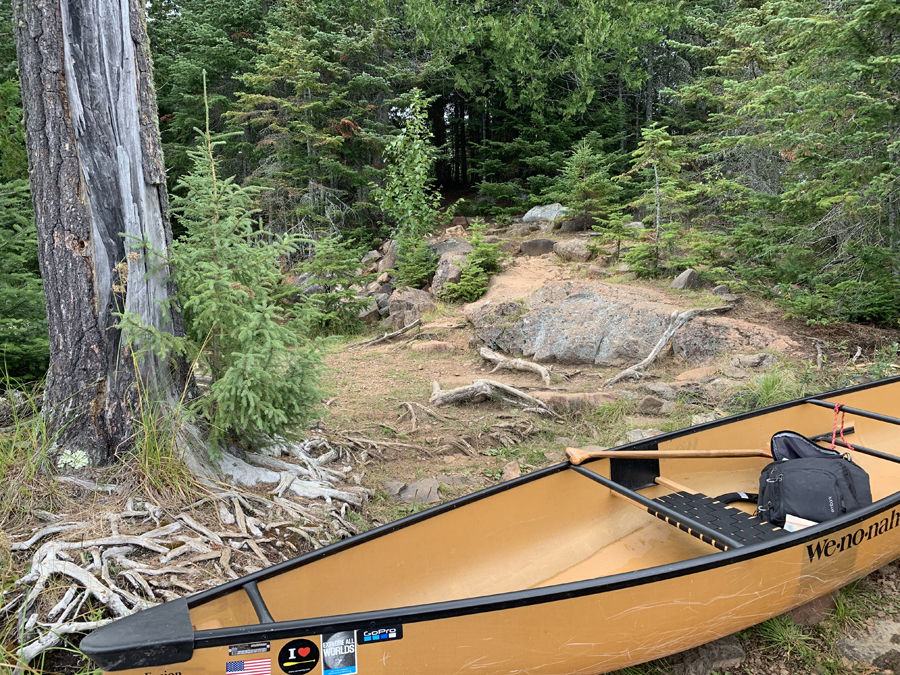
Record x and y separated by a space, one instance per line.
385 337
502 362
488 390
676 321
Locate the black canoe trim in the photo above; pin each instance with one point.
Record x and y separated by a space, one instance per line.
855 411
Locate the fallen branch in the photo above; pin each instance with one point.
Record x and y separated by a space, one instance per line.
486 390
676 321
501 362
386 336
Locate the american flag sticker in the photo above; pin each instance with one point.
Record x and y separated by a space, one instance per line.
254 667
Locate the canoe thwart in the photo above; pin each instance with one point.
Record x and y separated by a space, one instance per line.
855 411
694 527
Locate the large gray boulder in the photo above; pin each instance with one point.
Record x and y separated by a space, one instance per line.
577 224
607 325
449 271
409 304
573 250
548 212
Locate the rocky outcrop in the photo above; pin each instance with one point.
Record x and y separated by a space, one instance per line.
389 256
591 322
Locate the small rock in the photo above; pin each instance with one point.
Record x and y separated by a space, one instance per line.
814 611
660 389
577 224
456 245
573 250
510 471
423 491
371 256
432 347
753 360
382 299
735 373
596 272
370 313
393 487
700 373
703 418
555 456
455 481
564 440
522 230
636 435
389 259
635 225
719 657
383 278
456 231
409 304
510 248
564 403
535 247
548 212
449 271
687 280
722 289
548 225
650 405
492 239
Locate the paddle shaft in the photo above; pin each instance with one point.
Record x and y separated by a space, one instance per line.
577 455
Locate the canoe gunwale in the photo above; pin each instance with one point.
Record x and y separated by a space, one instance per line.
218 637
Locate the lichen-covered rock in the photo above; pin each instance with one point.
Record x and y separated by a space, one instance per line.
455 245
389 256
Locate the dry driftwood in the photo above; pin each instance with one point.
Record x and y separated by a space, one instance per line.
502 362
676 321
385 337
487 390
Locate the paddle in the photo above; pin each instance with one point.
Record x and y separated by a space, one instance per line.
577 455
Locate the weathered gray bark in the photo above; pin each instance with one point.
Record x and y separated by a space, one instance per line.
98 185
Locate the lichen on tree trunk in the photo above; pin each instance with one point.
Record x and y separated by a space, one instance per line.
98 186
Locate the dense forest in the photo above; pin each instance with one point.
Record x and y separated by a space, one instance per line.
757 140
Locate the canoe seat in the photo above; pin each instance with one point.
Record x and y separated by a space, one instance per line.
732 523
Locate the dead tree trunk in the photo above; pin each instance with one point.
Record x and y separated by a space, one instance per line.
99 191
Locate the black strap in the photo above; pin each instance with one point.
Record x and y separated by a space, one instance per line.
738 497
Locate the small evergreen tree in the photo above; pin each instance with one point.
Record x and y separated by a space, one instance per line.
585 188
481 263
240 327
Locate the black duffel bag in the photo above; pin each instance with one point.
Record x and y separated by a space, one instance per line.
809 482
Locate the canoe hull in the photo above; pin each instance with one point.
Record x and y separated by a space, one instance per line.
584 629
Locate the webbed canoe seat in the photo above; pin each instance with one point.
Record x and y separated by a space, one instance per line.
714 517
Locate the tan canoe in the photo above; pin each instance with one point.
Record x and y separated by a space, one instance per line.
571 569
